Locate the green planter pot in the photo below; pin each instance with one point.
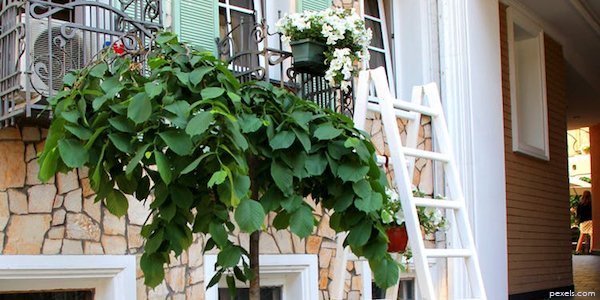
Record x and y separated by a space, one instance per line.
308 56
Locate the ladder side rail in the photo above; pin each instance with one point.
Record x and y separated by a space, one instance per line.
402 183
441 133
412 129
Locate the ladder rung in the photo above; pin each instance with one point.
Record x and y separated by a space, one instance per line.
426 154
409 106
439 203
398 112
448 252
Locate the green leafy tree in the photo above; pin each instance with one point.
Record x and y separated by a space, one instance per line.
214 155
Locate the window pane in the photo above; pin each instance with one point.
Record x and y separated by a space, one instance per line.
242 24
222 22
266 293
377 40
377 59
64 295
371 8
242 3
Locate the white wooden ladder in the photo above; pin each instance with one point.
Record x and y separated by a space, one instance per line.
402 159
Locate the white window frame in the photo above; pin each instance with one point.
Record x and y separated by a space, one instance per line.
385 36
112 277
536 88
297 273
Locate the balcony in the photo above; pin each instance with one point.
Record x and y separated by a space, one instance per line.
42 40
255 52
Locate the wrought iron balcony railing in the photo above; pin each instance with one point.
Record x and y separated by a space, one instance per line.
255 53
41 40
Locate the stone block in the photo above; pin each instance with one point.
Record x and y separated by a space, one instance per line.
324 230
57 232
325 257
113 225
58 201
141 290
72 247
267 244
354 295
137 212
195 292
33 168
82 227
83 172
4 210
58 217
134 236
74 201
30 152
323 279
26 233
195 253
161 292
67 182
178 297
31 134
41 198
284 241
10 133
12 164
51 247
114 244
17 202
313 244
92 248
87 190
357 283
176 279
92 208
196 275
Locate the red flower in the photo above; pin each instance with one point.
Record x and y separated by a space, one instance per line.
118 48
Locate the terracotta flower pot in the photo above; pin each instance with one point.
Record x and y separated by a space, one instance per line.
398 239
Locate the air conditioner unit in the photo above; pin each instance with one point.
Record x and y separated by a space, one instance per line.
50 56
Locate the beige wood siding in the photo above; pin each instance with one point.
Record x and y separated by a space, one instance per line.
539 248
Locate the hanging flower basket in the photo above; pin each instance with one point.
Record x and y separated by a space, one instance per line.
309 56
398 239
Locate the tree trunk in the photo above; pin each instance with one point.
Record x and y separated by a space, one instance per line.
254 238
254 265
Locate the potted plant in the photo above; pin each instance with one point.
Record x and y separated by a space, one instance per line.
329 42
392 215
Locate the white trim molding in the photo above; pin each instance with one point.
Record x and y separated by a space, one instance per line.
112 277
471 85
297 273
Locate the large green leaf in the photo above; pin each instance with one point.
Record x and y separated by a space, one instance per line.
121 123
369 204
140 108
121 142
359 235
152 265
198 74
218 234
282 176
217 178
302 221
178 142
249 215
327 132
386 271
212 92
249 123
79 131
72 152
49 165
139 154
282 140
199 123
229 257
164 166
153 89
116 203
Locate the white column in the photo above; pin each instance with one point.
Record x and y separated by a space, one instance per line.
472 94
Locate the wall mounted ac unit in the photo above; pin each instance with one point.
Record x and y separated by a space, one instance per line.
50 57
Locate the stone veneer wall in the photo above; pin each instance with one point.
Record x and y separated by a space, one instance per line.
61 217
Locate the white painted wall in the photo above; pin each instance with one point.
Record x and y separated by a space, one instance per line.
472 95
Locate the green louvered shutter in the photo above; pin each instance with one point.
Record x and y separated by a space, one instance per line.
198 23
313 5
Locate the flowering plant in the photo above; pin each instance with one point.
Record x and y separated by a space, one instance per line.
431 219
341 30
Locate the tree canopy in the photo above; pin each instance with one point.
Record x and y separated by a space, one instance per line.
185 135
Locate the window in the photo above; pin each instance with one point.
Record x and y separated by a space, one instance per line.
295 275
111 277
236 22
379 50
527 86
48 295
